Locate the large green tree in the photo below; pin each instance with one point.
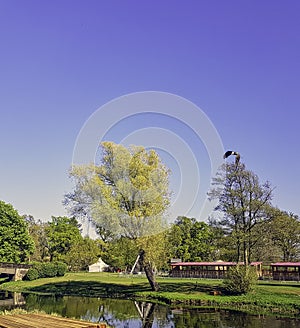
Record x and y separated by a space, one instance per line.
15 242
244 203
284 231
62 233
121 253
37 230
126 194
82 253
191 240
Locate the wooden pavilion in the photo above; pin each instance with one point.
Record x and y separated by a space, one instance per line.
211 270
286 271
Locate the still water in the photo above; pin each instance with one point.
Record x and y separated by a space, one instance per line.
131 314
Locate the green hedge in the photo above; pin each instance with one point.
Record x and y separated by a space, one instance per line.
46 270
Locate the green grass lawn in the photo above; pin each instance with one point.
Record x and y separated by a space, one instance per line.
280 298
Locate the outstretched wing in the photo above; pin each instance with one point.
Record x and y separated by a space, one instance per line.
228 153
231 152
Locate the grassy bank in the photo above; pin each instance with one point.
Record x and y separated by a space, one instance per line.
279 298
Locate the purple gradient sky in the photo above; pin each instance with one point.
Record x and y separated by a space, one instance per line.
61 60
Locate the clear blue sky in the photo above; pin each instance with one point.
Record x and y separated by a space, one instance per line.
61 60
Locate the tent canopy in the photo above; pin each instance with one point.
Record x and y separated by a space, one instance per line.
99 266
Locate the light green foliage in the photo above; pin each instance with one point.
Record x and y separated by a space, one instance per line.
156 250
15 242
62 233
86 192
126 195
191 240
134 189
240 280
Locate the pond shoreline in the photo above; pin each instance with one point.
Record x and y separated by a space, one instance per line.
268 298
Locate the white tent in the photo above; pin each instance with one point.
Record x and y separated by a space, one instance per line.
99 266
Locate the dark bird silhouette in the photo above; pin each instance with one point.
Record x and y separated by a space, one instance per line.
231 152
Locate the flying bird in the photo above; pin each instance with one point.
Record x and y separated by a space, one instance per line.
231 152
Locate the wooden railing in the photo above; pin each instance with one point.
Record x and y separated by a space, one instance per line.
210 274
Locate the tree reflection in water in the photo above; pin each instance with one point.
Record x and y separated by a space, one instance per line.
129 314
146 312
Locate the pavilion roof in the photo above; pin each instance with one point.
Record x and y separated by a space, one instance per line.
216 263
286 264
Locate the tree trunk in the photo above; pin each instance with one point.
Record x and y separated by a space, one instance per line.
238 251
149 272
246 259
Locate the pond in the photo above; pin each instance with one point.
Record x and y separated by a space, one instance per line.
132 314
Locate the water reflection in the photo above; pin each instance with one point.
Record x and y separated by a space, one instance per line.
10 300
146 312
133 314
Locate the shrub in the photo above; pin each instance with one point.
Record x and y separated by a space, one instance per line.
240 280
32 274
39 268
61 269
46 270
50 270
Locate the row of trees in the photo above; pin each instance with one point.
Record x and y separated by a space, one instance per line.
25 239
22 239
60 240
127 195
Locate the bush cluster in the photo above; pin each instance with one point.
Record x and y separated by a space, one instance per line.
46 270
240 280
